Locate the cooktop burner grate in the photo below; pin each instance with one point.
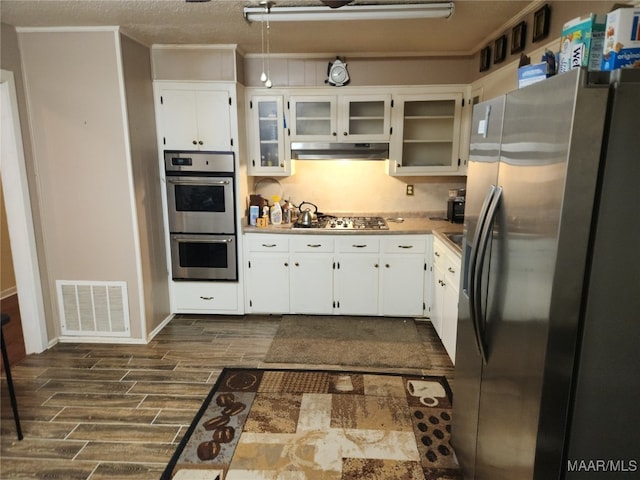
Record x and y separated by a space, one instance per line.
357 223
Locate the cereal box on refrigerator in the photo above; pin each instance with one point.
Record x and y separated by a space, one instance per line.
622 39
581 42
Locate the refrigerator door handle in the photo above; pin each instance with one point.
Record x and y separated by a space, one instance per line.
487 228
473 262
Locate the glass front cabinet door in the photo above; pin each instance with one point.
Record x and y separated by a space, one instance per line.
426 133
268 139
313 118
365 118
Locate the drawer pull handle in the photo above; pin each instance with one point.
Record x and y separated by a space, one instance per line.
206 298
314 245
451 270
405 246
269 245
359 246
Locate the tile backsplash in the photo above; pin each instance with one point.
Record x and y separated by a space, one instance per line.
358 186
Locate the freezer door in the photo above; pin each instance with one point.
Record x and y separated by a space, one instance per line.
549 161
482 174
607 386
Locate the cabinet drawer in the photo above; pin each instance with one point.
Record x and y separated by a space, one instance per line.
447 261
417 244
311 243
452 272
204 296
267 243
357 244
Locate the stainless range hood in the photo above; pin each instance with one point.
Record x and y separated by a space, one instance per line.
339 151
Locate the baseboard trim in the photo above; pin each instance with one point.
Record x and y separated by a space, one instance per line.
8 292
157 330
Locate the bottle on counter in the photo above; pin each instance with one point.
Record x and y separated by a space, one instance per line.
276 211
286 212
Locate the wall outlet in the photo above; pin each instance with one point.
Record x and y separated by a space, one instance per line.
409 189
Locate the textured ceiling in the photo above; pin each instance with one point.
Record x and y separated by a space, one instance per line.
221 22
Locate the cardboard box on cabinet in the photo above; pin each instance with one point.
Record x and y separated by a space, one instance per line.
622 39
581 43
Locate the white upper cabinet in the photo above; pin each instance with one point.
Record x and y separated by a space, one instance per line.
426 134
313 118
340 118
194 117
365 118
267 135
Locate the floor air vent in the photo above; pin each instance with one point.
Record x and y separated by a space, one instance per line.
98 309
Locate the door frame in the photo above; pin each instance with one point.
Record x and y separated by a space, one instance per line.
20 220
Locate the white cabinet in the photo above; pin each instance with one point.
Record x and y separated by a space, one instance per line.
204 297
402 266
446 276
269 152
313 118
341 118
356 275
336 274
267 274
194 117
311 279
426 134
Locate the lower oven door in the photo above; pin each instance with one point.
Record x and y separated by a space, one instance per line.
203 257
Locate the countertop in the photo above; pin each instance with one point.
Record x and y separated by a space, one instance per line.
411 224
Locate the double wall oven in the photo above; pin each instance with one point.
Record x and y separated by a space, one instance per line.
201 211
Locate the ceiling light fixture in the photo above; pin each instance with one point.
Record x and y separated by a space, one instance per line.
352 12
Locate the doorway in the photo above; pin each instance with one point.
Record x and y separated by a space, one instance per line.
19 220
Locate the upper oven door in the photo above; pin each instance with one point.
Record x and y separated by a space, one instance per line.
200 204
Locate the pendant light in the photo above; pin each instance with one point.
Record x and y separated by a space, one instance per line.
268 83
265 76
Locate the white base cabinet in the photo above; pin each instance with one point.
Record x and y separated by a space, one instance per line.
446 276
402 266
334 274
205 297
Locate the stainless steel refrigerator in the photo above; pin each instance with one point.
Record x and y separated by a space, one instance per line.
547 379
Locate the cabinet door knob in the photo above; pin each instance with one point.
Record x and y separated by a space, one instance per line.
436 254
282 165
286 264
386 265
334 134
376 265
297 264
345 133
200 142
194 142
451 270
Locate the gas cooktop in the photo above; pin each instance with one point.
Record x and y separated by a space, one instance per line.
348 223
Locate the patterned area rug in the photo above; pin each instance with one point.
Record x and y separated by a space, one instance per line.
319 425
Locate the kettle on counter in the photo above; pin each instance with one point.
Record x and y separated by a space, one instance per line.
306 216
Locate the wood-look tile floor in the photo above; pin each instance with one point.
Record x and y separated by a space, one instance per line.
98 411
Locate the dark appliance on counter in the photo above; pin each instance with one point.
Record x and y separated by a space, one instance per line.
455 209
201 215
546 380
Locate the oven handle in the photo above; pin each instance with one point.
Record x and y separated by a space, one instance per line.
202 240
199 181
